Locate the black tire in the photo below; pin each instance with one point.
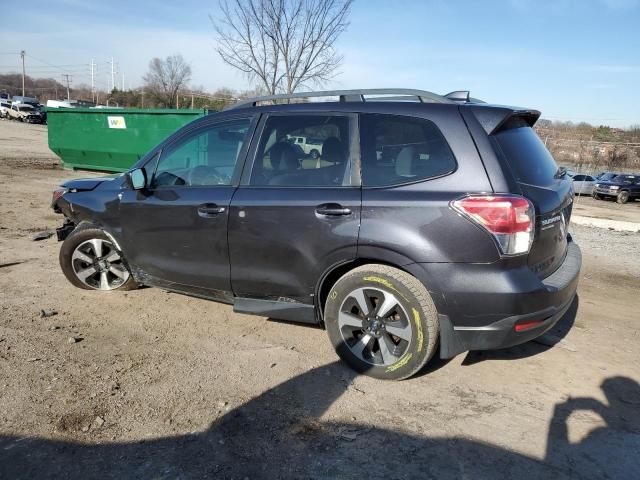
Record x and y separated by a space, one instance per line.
73 266
414 310
314 154
597 196
623 197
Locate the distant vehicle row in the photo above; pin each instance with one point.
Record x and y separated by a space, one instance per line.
621 186
23 109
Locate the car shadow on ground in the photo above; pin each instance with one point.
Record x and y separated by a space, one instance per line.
282 434
549 340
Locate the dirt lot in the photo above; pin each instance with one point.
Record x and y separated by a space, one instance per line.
158 385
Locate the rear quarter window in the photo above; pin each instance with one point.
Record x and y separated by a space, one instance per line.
397 150
522 149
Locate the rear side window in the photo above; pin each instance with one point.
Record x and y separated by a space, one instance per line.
525 153
304 151
398 150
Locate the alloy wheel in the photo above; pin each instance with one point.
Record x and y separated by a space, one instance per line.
375 326
98 264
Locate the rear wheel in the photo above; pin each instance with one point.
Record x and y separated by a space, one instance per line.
623 197
90 260
314 154
382 322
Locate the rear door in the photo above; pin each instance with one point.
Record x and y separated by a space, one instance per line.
294 216
539 178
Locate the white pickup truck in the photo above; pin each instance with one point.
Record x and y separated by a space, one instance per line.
310 146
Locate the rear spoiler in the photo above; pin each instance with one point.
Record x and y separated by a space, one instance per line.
493 118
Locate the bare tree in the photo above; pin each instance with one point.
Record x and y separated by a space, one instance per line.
165 78
282 44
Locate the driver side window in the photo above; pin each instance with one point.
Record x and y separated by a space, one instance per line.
206 157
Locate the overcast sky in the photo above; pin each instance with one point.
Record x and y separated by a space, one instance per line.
572 59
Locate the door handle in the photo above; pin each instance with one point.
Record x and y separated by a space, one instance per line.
332 209
209 210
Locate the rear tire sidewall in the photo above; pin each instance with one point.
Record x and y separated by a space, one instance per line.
68 247
424 321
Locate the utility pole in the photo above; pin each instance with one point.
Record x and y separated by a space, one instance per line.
22 53
113 75
192 101
67 78
93 86
123 81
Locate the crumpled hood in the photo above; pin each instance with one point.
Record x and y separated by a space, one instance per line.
85 184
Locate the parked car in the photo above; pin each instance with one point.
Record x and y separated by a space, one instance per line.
24 113
5 106
622 187
583 184
441 221
42 110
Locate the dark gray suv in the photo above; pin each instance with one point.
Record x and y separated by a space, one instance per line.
421 220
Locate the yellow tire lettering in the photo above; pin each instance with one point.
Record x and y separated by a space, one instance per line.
400 363
333 295
386 283
416 319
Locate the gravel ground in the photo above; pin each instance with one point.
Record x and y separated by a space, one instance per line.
147 384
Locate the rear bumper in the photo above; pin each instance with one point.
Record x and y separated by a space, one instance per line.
480 305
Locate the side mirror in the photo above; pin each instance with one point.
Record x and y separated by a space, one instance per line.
138 178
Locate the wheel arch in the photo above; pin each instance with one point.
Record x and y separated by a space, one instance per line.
86 224
333 273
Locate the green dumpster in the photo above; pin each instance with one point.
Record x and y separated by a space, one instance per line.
111 139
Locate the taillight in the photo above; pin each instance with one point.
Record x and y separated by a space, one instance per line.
57 193
508 218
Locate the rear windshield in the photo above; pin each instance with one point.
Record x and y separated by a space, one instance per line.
525 153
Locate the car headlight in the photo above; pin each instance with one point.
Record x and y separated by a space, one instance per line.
597 185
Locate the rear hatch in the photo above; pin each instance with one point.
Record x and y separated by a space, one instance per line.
545 185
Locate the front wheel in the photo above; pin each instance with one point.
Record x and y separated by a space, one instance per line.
90 260
623 197
597 196
382 322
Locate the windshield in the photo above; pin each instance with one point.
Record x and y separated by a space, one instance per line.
26 108
605 177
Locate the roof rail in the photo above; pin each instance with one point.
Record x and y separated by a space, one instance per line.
347 96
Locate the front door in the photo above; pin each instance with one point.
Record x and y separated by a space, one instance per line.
296 214
175 231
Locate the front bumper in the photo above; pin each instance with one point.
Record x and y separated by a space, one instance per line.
606 191
479 306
